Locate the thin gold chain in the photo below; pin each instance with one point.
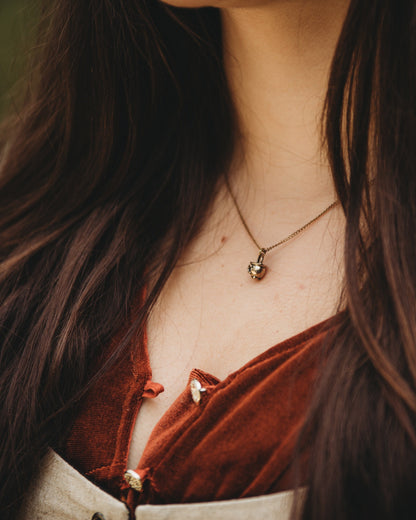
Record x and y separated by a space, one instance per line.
284 240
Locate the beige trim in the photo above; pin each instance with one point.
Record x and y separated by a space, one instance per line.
62 493
267 507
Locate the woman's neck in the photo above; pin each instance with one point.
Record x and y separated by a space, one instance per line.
277 57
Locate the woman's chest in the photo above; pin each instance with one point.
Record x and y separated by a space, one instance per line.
212 316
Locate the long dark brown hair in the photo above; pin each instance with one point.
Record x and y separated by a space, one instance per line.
126 129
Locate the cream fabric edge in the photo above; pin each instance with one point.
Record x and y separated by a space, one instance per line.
62 493
276 506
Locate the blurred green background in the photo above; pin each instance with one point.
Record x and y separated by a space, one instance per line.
16 28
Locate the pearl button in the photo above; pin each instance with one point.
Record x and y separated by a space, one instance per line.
196 389
133 480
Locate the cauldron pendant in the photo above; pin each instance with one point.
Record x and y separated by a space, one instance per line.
257 269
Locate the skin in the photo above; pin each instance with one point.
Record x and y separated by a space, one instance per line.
211 315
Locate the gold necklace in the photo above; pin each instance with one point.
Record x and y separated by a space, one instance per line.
257 270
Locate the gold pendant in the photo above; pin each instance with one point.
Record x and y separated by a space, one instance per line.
257 269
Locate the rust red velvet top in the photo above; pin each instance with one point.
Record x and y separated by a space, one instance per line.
237 442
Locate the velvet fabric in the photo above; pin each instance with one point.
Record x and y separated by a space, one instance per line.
237 442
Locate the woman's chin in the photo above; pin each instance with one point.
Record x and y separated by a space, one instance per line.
216 3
